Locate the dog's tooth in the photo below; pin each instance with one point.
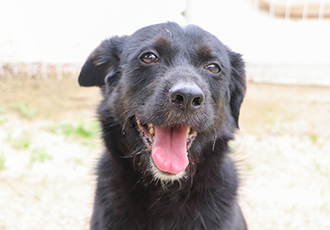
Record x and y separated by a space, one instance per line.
188 131
150 125
187 153
152 130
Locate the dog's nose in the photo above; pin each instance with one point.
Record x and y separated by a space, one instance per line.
186 96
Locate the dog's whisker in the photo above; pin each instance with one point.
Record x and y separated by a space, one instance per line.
127 122
136 184
135 153
215 138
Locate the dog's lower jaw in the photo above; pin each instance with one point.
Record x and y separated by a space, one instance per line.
165 177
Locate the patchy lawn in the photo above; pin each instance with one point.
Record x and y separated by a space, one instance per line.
49 144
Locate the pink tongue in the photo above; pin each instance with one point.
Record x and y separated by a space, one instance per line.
169 149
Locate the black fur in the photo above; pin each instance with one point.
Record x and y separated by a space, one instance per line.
128 195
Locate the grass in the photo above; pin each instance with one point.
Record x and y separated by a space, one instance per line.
40 155
83 131
25 111
314 137
323 170
291 116
271 120
290 210
76 160
4 225
324 206
21 142
270 107
2 161
3 119
44 179
249 167
37 194
233 146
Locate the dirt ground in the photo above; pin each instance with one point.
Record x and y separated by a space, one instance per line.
46 173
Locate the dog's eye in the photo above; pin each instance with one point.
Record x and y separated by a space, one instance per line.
213 68
149 58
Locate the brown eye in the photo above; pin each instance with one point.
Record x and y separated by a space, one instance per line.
149 58
213 68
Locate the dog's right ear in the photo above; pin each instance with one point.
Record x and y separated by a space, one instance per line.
102 62
237 84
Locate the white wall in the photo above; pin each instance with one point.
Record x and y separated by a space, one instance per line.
261 38
276 50
67 31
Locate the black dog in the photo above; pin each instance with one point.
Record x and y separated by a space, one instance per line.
171 103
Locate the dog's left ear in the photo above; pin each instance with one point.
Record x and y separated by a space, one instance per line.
102 63
237 85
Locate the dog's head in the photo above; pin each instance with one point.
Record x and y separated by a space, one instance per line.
173 91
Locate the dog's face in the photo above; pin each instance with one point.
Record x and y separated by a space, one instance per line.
172 90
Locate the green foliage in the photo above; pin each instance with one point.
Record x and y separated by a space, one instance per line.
82 131
324 206
249 167
321 168
44 179
271 120
3 119
291 210
25 111
37 194
314 137
39 155
76 160
233 146
4 225
21 142
291 116
2 161
86 130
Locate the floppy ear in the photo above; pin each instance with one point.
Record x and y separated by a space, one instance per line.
237 85
102 62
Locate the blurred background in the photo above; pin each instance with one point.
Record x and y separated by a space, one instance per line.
49 139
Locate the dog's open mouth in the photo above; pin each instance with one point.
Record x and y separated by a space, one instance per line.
168 145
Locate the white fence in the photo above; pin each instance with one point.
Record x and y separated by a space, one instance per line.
280 49
310 21
43 70
295 9
40 37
